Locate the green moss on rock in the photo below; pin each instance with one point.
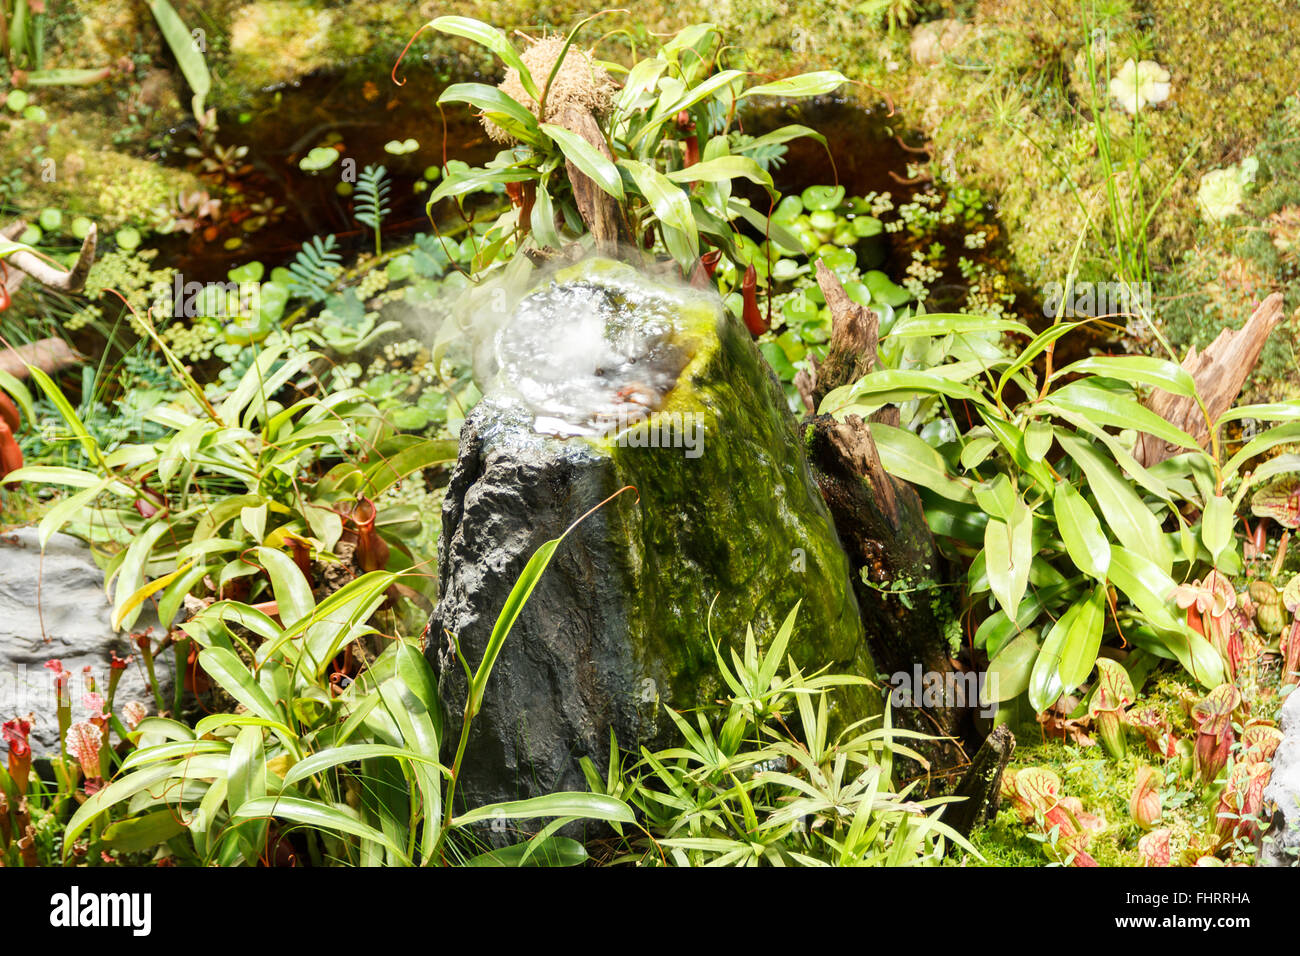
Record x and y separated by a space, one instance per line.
625 620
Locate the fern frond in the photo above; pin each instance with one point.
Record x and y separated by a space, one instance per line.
372 199
315 266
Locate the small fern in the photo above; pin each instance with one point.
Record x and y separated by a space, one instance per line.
372 199
314 268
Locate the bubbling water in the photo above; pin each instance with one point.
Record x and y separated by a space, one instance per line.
589 355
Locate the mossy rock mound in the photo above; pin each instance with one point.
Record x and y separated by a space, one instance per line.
597 379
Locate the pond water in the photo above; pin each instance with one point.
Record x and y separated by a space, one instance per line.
867 152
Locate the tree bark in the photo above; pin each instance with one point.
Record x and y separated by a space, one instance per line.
897 569
1219 372
599 210
981 787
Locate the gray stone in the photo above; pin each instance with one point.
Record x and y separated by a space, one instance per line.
623 621
1282 844
53 607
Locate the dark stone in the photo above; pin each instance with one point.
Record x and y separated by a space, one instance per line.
618 626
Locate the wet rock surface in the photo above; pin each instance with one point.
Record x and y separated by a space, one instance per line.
724 533
53 607
1282 845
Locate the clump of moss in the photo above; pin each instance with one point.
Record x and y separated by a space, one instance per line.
578 84
277 40
1229 269
69 165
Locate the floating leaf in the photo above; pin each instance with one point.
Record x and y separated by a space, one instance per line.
322 157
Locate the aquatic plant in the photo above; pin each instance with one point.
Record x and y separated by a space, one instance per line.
177 521
350 755
745 789
1041 492
661 150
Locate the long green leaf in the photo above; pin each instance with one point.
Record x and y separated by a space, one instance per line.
235 679
494 40
1127 515
1081 532
313 814
586 157
805 84
1083 640
591 806
672 207
186 51
499 107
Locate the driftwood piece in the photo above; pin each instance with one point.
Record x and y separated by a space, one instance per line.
51 356
981 787
52 276
855 336
896 572
1219 372
851 353
895 565
599 210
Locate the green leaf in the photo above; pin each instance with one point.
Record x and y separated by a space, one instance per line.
894 386
1105 407
541 221
1216 525
724 169
348 602
1278 435
351 753
314 814
1163 374
228 670
590 806
552 851
67 413
115 793
292 590
130 576
905 455
1039 436
1081 532
767 226
672 207
1083 640
1127 515
494 40
246 781
18 391
499 107
1045 684
1009 671
1009 552
145 832
805 84
177 749
779 136
65 509
458 184
188 56
600 169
